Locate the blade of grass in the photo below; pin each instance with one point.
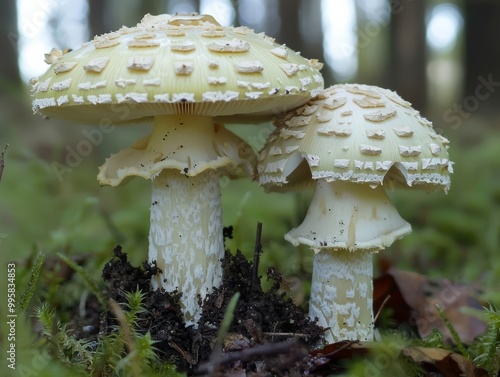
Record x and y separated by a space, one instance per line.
29 290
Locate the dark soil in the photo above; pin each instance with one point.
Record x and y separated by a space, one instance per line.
268 336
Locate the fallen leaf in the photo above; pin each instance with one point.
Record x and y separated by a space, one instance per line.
447 363
414 299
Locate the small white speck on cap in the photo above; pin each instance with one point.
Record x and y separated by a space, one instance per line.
96 65
183 97
368 102
290 89
106 43
213 63
368 165
280 52
410 166
383 165
183 47
145 36
289 68
89 86
380 116
308 110
84 86
162 97
132 97
276 166
99 84
41 103
253 95
212 80
286 133
275 150
261 85
212 33
62 100
430 163
376 134
305 82
312 160
358 90
142 43
435 149
341 163
342 132
249 67
61 85
101 98
410 151
323 118
77 99
291 148
152 82
334 103
345 148
220 96
397 99
403 131
234 45
43 86
175 33
140 63
318 79
369 150
64 67
183 68
358 164
298 121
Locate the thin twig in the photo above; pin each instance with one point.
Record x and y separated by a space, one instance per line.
2 160
381 307
268 349
256 252
288 334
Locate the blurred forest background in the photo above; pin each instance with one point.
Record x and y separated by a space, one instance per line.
443 56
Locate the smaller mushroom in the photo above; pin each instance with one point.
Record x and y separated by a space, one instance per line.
348 141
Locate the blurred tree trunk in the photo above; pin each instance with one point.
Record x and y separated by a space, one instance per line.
97 17
311 33
407 71
289 31
482 55
9 71
153 7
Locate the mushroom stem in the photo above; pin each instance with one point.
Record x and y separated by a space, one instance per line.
185 237
344 224
341 294
347 215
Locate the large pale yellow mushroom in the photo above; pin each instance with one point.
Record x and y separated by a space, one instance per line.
183 72
347 142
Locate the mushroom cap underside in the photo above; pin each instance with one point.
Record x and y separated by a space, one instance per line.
355 133
175 64
183 150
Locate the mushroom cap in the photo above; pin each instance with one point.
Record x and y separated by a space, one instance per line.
170 64
356 133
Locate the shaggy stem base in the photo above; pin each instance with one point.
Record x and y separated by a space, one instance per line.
341 294
185 237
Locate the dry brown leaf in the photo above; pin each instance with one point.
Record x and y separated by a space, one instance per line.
414 300
447 363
